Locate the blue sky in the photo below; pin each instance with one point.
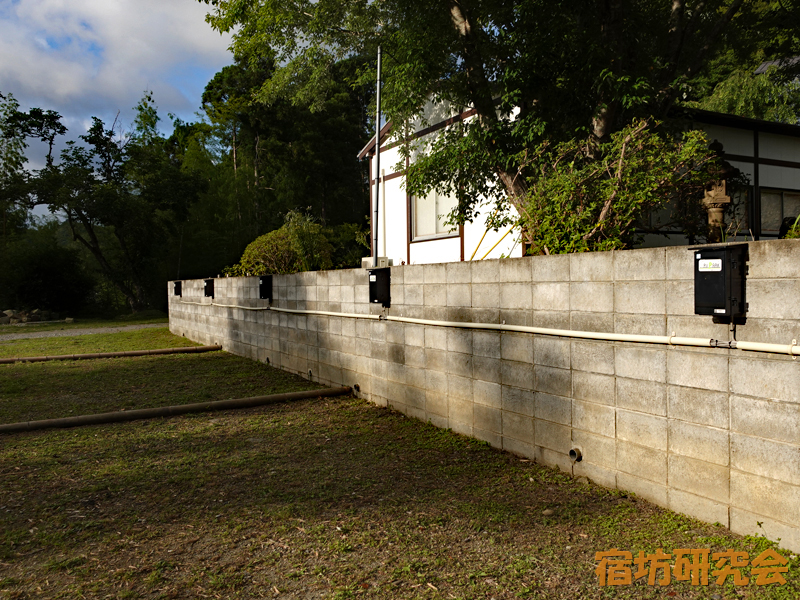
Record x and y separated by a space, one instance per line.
87 58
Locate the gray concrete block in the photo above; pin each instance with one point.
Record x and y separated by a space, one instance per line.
436 403
486 369
460 411
591 297
437 420
635 362
551 351
435 337
485 315
434 273
396 275
593 387
459 364
487 394
434 294
698 326
459 314
516 374
773 298
414 335
641 297
778 421
516 295
485 271
698 406
553 436
550 296
525 449
595 473
485 295
767 458
640 324
773 379
583 321
699 477
595 357
487 418
413 274
516 346
595 449
594 418
553 381
494 439
700 370
769 497
643 462
413 397
459 340
642 396
699 442
774 259
769 331
458 272
459 294
459 387
395 332
436 360
416 377
515 270
551 458
509 316
698 507
518 427
643 488
517 400
550 319
745 522
412 294
680 297
643 264
377 330
550 268
553 408
591 266
396 353
642 429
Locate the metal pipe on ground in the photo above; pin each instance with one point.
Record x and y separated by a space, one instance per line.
169 411
186 350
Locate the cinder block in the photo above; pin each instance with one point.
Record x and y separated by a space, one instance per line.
377 330
436 403
701 370
593 387
459 387
639 363
412 294
680 263
698 406
486 369
518 427
459 314
485 295
640 324
487 418
395 332
774 259
459 294
642 396
641 297
594 418
644 488
435 337
551 351
697 326
516 374
550 296
458 272
596 449
516 295
769 331
553 436
434 294
773 379
773 298
550 268
396 353
486 393
774 460
459 340
436 360
550 319
485 271
485 315
436 381
494 439
591 297
413 397
459 364
643 264
745 522
642 429
515 269
591 266
379 350
437 420
700 442
551 458
769 497
680 297
510 316
517 347
518 447
584 321
460 411
597 474
778 421
416 377
517 400
413 274
698 507
553 408
595 357
699 477
553 381
414 335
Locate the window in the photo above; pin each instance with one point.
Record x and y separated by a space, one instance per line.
777 205
429 215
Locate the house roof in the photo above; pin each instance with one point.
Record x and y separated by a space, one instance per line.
369 149
781 63
715 118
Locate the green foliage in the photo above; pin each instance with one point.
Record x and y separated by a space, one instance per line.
584 197
12 161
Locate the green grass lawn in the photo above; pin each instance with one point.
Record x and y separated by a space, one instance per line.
138 339
327 498
141 318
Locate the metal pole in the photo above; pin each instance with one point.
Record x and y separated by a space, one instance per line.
377 161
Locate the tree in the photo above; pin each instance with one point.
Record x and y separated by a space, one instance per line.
12 162
581 69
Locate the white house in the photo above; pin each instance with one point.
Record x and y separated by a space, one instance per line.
412 231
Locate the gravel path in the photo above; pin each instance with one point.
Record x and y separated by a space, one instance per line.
70 332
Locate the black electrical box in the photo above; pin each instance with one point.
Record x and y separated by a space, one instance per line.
379 280
177 288
265 287
719 281
209 288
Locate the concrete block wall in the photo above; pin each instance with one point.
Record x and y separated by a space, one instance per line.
709 432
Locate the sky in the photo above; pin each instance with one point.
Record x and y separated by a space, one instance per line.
85 58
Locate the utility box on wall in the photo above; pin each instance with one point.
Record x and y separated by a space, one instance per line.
265 287
208 288
177 288
719 281
379 282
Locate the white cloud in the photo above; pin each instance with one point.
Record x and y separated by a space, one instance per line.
94 57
